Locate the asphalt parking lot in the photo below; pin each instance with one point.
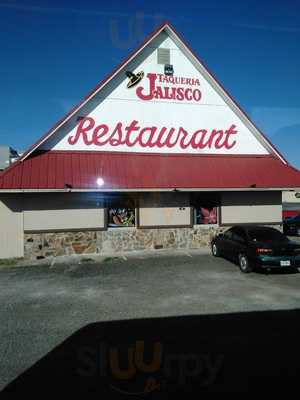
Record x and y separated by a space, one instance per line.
41 306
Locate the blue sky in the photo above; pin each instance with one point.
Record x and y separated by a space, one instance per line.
54 52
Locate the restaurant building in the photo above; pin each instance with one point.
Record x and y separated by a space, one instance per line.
158 155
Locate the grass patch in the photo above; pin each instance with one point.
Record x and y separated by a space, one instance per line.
10 261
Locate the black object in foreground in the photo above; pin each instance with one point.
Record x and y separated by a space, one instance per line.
257 351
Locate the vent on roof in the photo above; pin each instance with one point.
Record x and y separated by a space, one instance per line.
163 56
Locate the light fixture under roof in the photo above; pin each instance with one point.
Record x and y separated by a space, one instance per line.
100 182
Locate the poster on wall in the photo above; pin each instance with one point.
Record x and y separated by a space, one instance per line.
205 216
121 217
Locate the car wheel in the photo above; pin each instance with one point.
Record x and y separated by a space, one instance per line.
215 250
244 264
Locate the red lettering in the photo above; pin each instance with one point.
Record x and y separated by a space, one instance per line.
183 145
167 92
149 96
133 135
151 133
98 133
169 95
82 131
198 144
197 95
159 143
187 95
158 94
228 133
215 133
173 94
116 141
129 130
180 94
169 137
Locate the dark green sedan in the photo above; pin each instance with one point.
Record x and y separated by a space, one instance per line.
255 247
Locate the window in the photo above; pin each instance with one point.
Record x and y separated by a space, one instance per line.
239 235
266 235
121 210
205 208
228 234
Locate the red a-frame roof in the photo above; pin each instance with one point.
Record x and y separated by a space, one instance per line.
80 170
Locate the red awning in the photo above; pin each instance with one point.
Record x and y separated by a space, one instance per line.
80 170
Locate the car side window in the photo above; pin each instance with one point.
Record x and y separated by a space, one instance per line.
228 234
238 235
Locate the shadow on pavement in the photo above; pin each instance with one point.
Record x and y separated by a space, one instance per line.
278 271
257 351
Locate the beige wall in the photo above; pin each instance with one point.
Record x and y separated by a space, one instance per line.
63 211
251 207
164 209
11 226
67 211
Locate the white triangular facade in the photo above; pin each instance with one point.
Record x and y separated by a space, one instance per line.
186 113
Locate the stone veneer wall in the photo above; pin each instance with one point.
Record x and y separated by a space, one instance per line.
39 245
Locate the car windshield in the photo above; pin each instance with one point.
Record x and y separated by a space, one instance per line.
266 235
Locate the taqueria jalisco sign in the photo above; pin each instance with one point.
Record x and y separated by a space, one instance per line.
90 132
151 112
